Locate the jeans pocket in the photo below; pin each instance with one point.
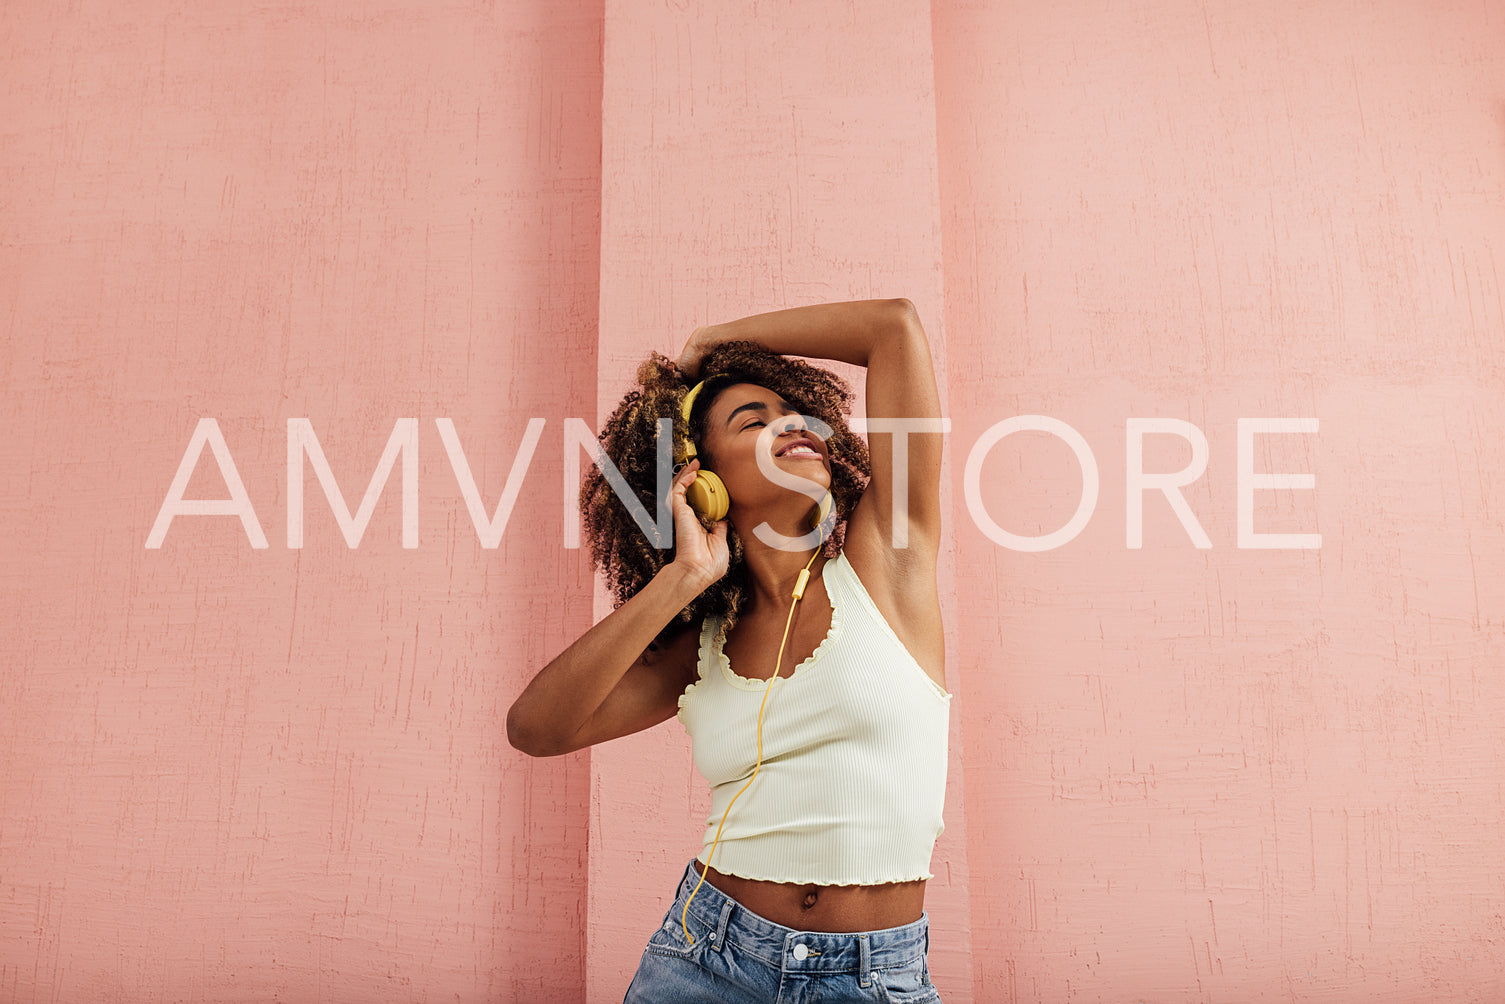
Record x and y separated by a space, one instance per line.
670 940
907 984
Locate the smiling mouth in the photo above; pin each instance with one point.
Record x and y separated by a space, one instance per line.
799 448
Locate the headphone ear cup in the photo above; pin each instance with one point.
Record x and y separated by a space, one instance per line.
707 496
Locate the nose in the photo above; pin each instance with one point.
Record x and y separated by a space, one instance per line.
793 428
793 423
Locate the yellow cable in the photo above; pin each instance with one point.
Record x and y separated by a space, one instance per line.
799 591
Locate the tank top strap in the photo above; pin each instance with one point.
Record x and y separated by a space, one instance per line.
709 625
839 571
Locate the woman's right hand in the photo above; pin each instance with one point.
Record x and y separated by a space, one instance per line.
702 555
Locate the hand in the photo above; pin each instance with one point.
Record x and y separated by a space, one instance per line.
693 354
703 556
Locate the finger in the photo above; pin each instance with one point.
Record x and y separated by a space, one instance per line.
677 493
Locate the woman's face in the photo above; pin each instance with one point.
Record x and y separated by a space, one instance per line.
746 419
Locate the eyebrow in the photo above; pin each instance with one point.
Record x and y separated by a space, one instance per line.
754 406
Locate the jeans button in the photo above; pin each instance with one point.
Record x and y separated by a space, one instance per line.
801 952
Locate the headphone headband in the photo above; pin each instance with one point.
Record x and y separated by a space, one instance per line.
684 411
687 450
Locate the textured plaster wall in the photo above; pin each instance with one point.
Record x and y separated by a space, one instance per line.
1179 773
749 162
229 773
1221 773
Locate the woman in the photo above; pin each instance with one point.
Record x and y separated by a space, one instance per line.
833 721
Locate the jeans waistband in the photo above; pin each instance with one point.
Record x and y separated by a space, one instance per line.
716 916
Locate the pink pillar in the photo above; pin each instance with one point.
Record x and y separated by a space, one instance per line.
752 162
1231 774
229 773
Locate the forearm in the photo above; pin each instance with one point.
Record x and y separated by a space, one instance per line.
566 692
848 331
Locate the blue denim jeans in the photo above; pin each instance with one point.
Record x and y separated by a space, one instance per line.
739 957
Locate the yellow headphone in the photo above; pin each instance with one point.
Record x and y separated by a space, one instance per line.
707 496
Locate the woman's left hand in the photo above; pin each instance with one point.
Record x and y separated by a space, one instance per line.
692 355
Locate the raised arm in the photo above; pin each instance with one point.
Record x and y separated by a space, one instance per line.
887 338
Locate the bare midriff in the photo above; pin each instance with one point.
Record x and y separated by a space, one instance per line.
835 909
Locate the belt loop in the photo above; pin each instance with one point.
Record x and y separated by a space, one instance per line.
718 936
865 961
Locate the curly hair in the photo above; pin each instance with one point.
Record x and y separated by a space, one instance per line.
619 547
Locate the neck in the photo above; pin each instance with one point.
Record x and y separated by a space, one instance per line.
772 572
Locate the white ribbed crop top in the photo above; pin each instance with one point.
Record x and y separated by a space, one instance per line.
853 779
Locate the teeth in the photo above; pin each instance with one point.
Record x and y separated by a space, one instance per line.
800 451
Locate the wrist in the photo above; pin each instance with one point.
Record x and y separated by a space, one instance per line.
708 336
685 583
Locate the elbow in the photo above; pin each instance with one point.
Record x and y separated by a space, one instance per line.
518 735
905 318
525 736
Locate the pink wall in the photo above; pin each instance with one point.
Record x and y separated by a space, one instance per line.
1232 774
734 181
1179 774
239 774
